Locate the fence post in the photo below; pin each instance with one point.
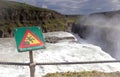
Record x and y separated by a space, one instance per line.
32 64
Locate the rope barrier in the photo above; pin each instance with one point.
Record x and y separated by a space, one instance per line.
14 63
59 63
85 62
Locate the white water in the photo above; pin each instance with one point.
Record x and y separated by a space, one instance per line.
63 51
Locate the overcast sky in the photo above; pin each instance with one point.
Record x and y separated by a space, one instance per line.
76 6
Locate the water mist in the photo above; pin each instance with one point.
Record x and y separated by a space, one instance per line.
102 31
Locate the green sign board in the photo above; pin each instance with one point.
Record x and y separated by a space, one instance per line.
29 38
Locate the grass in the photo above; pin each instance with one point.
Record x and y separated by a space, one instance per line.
83 74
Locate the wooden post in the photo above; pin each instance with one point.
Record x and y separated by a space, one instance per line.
32 64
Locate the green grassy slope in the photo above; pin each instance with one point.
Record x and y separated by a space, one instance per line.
14 14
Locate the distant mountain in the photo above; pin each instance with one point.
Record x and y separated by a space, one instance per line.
108 13
15 14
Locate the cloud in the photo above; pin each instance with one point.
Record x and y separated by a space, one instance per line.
76 6
44 6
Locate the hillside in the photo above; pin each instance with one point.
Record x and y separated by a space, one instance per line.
14 14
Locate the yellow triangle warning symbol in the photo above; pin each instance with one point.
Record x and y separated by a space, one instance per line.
30 40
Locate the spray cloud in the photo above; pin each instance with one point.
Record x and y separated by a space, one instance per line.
104 31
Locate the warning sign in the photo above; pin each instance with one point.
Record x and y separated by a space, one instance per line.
29 38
